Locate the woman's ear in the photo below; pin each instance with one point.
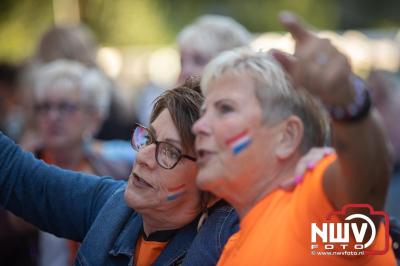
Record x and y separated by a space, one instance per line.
292 131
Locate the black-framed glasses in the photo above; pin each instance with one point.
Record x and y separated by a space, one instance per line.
167 155
63 108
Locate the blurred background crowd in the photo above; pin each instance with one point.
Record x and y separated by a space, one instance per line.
75 76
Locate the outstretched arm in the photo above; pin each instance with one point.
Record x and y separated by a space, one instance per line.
61 202
361 172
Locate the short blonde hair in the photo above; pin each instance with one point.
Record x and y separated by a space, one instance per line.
212 34
277 97
94 87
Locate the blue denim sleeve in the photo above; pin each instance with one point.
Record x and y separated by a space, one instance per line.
210 240
61 202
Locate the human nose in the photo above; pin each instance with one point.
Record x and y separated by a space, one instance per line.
146 156
53 113
201 126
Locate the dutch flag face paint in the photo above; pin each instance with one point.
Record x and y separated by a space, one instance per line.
175 192
239 142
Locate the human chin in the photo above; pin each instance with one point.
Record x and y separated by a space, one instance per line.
139 199
56 141
206 178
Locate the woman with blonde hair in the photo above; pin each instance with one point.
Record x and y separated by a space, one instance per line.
255 126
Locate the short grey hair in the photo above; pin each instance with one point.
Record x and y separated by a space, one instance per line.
274 91
65 75
212 34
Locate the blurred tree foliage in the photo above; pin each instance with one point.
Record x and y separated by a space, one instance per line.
21 23
156 22
127 22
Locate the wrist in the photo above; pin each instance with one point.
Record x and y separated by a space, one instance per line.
355 110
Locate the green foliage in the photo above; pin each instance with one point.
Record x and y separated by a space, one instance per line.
156 22
21 22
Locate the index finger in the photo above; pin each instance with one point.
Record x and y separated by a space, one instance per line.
293 24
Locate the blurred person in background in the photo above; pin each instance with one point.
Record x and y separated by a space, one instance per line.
77 43
70 103
205 38
198 43
385 93
11 114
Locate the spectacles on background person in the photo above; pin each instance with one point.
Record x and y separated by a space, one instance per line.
63 108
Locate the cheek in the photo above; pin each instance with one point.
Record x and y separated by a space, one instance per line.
42 123
139 199
178 183
83 122
235 156
233 138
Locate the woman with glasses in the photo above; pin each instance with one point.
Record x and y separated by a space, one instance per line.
70 103
157 217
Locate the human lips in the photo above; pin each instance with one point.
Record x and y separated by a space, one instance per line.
140 182
203 156
55 130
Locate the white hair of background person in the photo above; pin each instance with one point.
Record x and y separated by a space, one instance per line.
94 87
212 34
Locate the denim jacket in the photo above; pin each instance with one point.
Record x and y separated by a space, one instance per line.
92 210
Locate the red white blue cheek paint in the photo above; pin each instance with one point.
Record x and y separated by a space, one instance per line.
239 142
175 192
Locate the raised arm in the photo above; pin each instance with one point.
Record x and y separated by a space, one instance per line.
361 172
61 202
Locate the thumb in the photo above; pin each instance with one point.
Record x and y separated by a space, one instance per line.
287 61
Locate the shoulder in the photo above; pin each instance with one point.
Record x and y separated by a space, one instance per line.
225 214
113 190
206 248
309 201
313 183
223 221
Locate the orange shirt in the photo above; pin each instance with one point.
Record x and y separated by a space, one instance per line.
147 252
277 231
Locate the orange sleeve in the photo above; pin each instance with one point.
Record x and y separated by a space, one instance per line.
310 202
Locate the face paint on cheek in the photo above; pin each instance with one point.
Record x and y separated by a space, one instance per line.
239 142
175 192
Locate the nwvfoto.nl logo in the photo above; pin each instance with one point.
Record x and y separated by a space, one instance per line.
356 231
